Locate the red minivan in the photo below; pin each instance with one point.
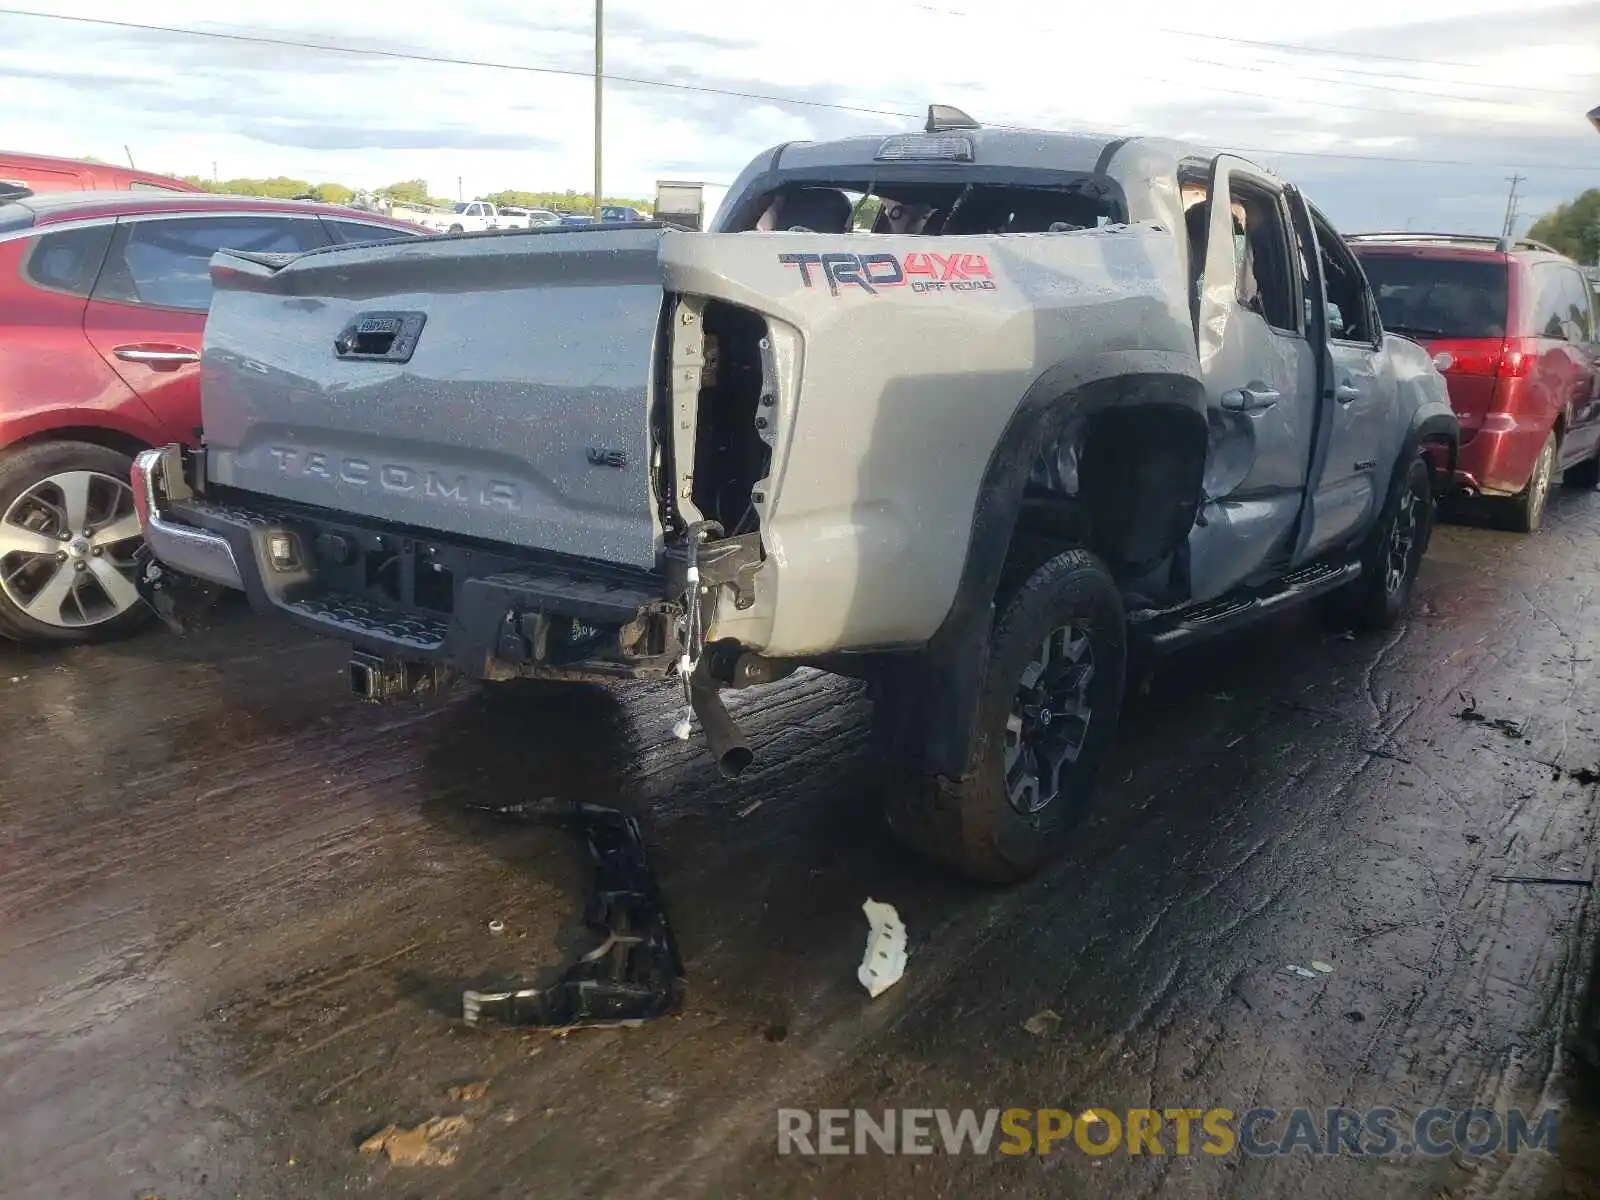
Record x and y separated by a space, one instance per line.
1512 329
39 173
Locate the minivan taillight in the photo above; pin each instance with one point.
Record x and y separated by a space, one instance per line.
1508 358
1517 356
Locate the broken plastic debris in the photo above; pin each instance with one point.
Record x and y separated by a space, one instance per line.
1089 1117
1324 968
1295 969
635 974
885 959
1043 1023
430 1144
683 727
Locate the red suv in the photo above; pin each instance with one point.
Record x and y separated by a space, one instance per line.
103 299
1512 329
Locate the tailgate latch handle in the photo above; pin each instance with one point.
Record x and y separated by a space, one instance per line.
380 336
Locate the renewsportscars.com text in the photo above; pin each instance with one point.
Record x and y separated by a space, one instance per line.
1257 1132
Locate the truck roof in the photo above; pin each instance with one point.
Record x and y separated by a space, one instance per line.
1010 148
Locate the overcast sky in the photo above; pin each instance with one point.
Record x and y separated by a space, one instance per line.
1500 89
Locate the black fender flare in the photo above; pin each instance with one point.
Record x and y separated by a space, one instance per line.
1431 427
928 699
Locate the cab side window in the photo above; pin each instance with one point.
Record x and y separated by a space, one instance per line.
1262 256
1351 312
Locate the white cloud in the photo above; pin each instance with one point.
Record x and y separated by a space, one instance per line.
183 104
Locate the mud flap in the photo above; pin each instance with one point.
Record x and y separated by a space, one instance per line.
635 974
179 600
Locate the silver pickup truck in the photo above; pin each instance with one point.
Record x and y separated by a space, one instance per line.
1061 395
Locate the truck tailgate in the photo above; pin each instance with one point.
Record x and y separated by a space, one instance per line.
494 386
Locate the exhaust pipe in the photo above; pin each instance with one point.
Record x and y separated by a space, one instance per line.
723 738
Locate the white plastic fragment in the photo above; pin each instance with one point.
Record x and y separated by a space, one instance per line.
1324 968
885 960
1293 969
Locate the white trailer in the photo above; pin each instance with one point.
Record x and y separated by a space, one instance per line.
689 205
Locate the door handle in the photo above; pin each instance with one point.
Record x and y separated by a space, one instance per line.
1346 392
174 357
1249 399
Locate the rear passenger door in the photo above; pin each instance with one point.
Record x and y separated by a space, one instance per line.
1260 381
147 314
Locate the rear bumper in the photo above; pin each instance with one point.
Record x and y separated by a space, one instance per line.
184 548
1497 458
487 612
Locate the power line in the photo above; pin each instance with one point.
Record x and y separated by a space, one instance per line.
1299 49
571 73
1303 49
1378 87
1492 87
440 59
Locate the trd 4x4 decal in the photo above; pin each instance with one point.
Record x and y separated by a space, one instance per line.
922 272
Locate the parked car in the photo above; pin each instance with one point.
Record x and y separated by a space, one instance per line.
621 212
103 298
1090 415
526 218
40 173
1512 327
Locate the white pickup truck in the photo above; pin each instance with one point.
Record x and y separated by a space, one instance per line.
470 216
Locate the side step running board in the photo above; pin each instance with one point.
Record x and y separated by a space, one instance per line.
1165 631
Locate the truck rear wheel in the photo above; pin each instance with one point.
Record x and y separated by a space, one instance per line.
1048 710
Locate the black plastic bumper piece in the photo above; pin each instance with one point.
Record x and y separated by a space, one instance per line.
635 974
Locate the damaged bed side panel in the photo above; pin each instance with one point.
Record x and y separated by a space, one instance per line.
899 365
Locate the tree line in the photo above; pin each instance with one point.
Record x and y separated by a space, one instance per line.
1573 228
405 191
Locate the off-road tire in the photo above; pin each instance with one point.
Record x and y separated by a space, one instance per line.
970 824
1375 600
1526 509
1584 476
20 470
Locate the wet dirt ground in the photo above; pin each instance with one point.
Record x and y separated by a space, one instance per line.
238 909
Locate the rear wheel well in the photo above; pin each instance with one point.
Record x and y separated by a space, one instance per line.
1123 481
111 439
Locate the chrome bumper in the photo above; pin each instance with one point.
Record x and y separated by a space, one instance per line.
182 547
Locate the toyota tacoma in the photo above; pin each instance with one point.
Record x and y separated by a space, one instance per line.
966 412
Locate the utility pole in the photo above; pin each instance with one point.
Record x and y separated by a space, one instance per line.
213 172
599 97
460 195
129 153
1511 205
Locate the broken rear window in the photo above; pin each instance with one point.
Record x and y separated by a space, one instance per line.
934 208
